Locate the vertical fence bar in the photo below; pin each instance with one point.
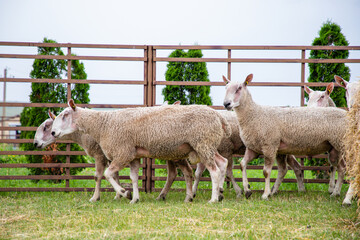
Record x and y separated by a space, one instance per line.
153 77
302 94
3 108
229 65
302 102
68 145
149 102
144 160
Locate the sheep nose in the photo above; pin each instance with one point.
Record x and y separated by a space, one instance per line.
35 144
53 133
226 105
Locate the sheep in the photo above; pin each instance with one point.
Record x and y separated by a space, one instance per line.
351 89
165 132
44 138
352 98
320 98
228 147
273 130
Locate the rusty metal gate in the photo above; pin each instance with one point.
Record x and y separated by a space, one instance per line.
149 59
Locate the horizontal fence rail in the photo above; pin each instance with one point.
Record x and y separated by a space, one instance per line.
149 58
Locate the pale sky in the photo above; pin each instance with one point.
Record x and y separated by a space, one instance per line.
257 22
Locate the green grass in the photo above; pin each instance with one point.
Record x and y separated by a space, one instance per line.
288 215
60 215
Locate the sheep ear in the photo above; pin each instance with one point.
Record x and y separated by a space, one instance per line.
248 79
72 104
226 80
340 81
329 88
308 90
177 103
51 115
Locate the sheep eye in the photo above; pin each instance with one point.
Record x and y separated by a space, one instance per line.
237 90
322 97
44 128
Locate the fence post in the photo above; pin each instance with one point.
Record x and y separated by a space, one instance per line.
302 94
3 108
68 145
149 102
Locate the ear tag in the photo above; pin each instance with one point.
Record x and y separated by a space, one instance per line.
246 82
329 91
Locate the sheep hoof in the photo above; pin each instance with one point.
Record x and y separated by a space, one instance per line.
188 199
265 197
134 201
194 195
221 197
94 199
248 194
128 195
160 197
346 204
221 190
334 194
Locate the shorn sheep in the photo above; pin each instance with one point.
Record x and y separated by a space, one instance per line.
44 138
165 132
274 130
352 146
228 146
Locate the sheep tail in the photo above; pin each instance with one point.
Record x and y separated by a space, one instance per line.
226 126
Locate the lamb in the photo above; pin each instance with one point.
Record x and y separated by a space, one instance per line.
320 98
352 91
44 138
323 99
273 130
165 132
228 147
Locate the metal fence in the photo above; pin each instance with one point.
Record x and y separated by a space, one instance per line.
149 59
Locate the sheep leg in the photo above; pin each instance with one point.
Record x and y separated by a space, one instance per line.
221 162
296 167
270 156
185 167
171 175
200 168
282 170
349 195
249 156
334 160
116 177
340 179
115 167
215 174
229 174
134 176
100 164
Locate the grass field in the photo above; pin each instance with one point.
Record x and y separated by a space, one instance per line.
287 215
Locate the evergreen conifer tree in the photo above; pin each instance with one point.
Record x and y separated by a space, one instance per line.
187 71
329 35
52 93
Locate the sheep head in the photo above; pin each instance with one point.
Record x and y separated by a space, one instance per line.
235 91
64 123
43 136
351 89
319 98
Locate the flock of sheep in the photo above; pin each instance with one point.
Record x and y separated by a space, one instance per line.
209 138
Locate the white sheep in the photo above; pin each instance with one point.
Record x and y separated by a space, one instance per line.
274 130
228 147
352 88
166 132
44 138
320 98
